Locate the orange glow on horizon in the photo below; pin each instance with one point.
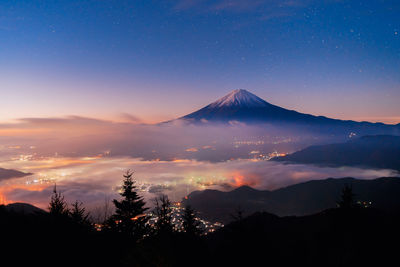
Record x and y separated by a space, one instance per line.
56 163
240 180
4 189
22 132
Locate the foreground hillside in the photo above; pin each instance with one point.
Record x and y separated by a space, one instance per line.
378 151
336 237
352 236
300 199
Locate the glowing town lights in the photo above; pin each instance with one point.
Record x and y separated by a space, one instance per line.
137 217
177 211
351 135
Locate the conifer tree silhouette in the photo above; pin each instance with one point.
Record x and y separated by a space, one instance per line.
164 216
347 197
58 207
190 224
129 217
78 214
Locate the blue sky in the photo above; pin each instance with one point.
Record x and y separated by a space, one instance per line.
161 59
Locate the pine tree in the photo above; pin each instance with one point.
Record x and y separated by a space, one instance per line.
164 215
129 216
58 207
190 224
78 214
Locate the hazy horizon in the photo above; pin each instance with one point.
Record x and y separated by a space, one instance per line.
132 118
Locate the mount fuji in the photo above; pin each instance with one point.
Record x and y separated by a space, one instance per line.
242 106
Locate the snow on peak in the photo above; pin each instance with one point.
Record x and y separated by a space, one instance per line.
239 97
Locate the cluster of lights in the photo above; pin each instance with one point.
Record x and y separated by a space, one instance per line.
351 135
41 181
248 143
177 211
283 140
24 157
267 156
364 204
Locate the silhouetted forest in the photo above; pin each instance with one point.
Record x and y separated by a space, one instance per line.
349 235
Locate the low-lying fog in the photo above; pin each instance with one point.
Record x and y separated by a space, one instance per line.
87 158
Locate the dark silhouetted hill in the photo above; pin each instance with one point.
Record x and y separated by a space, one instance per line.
23 208
300 199
378 151
335 237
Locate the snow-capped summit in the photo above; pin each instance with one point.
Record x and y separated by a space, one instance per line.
239 97
243 106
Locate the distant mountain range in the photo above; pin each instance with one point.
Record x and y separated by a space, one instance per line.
243 106
380 151
300 199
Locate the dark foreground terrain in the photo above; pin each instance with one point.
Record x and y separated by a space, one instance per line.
352 236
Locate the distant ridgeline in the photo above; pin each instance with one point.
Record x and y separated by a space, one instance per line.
379 151
300 199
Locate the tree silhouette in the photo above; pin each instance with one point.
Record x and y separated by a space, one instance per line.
190 224
129 216
347 197
58 207
163 213
78 214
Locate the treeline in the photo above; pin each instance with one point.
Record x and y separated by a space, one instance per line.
130 218
67 233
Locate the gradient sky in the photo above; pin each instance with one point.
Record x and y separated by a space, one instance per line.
157 60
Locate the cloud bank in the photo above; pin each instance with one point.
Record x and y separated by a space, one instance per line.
86 158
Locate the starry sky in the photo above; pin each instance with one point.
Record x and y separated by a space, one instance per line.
155 60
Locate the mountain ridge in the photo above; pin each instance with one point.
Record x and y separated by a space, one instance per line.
241 105
244 106
371 151
295 200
